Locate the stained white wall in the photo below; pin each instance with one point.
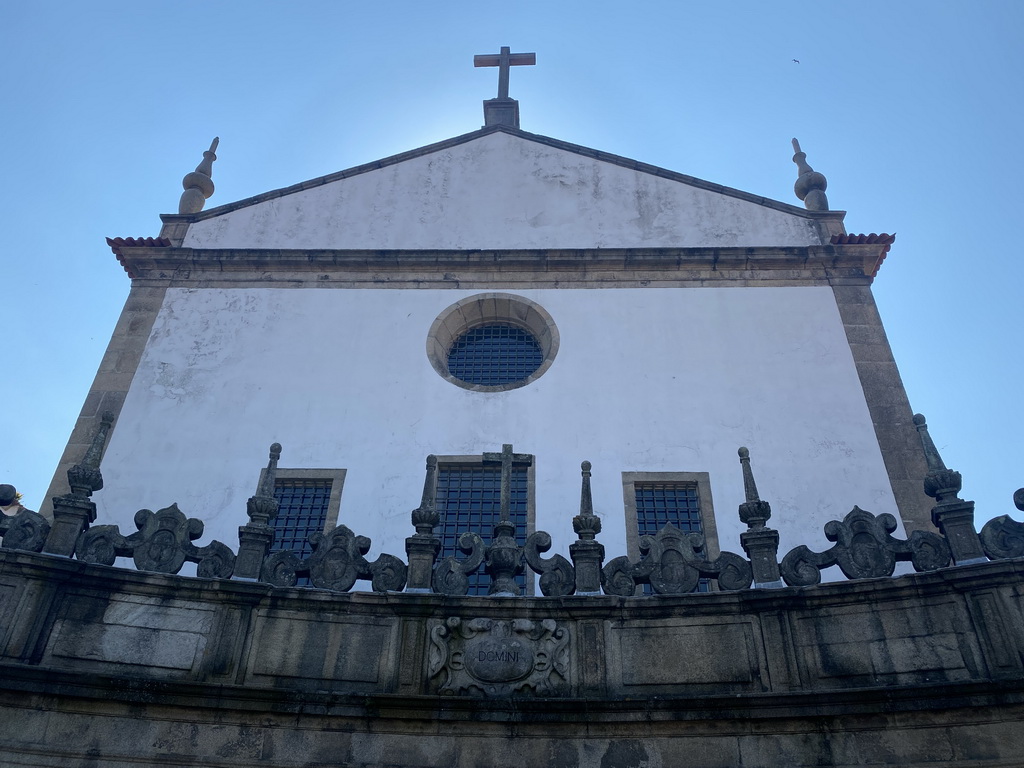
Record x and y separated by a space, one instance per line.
502 191
646 380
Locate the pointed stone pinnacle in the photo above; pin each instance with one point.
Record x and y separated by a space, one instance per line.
425 517
941 483
754 512
586 524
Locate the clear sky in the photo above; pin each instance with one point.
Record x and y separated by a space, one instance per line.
911 109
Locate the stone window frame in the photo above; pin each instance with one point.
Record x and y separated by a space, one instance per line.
337 478
476 460
486 309
701 481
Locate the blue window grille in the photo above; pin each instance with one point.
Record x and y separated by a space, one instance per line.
494 355
660 504
469 499
302 511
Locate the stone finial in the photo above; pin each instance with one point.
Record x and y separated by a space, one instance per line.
940 483
753 511
85 478
425 517
423 546
199 184
262 507
586 524
953 516
587 553
810 185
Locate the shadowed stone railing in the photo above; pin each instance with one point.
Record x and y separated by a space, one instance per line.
671 563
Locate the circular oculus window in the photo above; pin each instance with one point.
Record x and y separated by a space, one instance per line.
492 342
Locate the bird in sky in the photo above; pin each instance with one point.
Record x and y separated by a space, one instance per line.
797 60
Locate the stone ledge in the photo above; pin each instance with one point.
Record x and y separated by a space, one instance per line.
22 685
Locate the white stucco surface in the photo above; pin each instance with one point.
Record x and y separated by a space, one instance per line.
501 191
645 380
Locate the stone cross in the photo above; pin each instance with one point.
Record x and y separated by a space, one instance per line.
507 459
503 61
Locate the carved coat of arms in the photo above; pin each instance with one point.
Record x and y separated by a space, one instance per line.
490 657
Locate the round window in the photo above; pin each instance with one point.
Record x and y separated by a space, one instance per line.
492 342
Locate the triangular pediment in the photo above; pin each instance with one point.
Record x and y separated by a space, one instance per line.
500 188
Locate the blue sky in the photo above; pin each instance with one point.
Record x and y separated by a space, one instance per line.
911 109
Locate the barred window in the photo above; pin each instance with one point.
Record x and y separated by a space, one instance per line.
309 501
661 504
469 499
656 499
495 354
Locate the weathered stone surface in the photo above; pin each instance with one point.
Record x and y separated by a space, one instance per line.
864 549
162 544
26 530
496 658
921 670
673 564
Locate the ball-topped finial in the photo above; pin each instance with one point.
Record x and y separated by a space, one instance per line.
585 466
919 420
810 185
743 453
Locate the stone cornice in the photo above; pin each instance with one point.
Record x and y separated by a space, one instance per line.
811 263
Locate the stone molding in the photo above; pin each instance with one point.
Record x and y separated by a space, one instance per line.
337 478
401 267
701 481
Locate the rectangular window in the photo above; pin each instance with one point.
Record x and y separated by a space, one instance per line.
301 511
469 499
656 499
309 501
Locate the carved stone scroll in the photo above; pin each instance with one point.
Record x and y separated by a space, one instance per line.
1001 537
162 544
336 564
557 576
26 530
451 575
672 565
494 658
864 549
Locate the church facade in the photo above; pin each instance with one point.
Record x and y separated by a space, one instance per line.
670 320
516 393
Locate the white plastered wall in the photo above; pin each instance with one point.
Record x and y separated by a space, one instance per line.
504 192
648 379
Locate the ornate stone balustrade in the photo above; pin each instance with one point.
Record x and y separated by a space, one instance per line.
671 561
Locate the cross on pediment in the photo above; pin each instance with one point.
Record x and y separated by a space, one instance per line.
503 61
507 459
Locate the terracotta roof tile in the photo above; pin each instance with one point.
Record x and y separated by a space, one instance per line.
117 243
884 240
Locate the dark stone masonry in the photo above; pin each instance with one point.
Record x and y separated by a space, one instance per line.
110 666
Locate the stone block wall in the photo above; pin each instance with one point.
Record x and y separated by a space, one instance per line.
127 668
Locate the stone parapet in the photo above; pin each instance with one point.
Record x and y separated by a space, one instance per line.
929 663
